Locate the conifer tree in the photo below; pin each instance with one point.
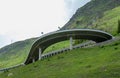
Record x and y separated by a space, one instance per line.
118 26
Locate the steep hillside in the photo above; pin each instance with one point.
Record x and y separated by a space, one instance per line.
89 15
15 53
109 22
97 62
97 14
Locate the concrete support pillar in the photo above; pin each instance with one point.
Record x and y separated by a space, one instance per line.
33 60
71 43
40 55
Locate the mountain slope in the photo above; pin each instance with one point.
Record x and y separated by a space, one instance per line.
97 14
97 62
89 14
15 53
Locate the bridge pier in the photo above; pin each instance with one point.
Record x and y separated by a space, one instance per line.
33 60
71 43
40 55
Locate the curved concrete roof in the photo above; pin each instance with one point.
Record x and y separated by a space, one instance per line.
48 39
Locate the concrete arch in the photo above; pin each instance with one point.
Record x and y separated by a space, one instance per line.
46 40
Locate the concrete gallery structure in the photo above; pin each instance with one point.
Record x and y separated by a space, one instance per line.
46 40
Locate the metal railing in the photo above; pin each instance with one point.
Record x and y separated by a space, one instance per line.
12 67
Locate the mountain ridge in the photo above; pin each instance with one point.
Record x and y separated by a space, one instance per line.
86 16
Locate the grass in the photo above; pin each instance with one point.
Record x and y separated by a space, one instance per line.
57 46
97 62
15 53
109 22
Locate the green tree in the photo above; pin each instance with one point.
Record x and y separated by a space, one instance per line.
118 26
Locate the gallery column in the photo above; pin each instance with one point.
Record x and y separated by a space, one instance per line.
40 50
71 43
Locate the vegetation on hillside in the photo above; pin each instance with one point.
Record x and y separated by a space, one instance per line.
109 22
97 62
97 14
15 53
90 15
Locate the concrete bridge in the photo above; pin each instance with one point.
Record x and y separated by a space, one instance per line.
46 40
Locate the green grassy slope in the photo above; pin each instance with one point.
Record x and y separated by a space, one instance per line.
97 62
15 53
104 17
57 46
94 13
109 22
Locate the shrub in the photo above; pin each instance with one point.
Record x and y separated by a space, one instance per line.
115 48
